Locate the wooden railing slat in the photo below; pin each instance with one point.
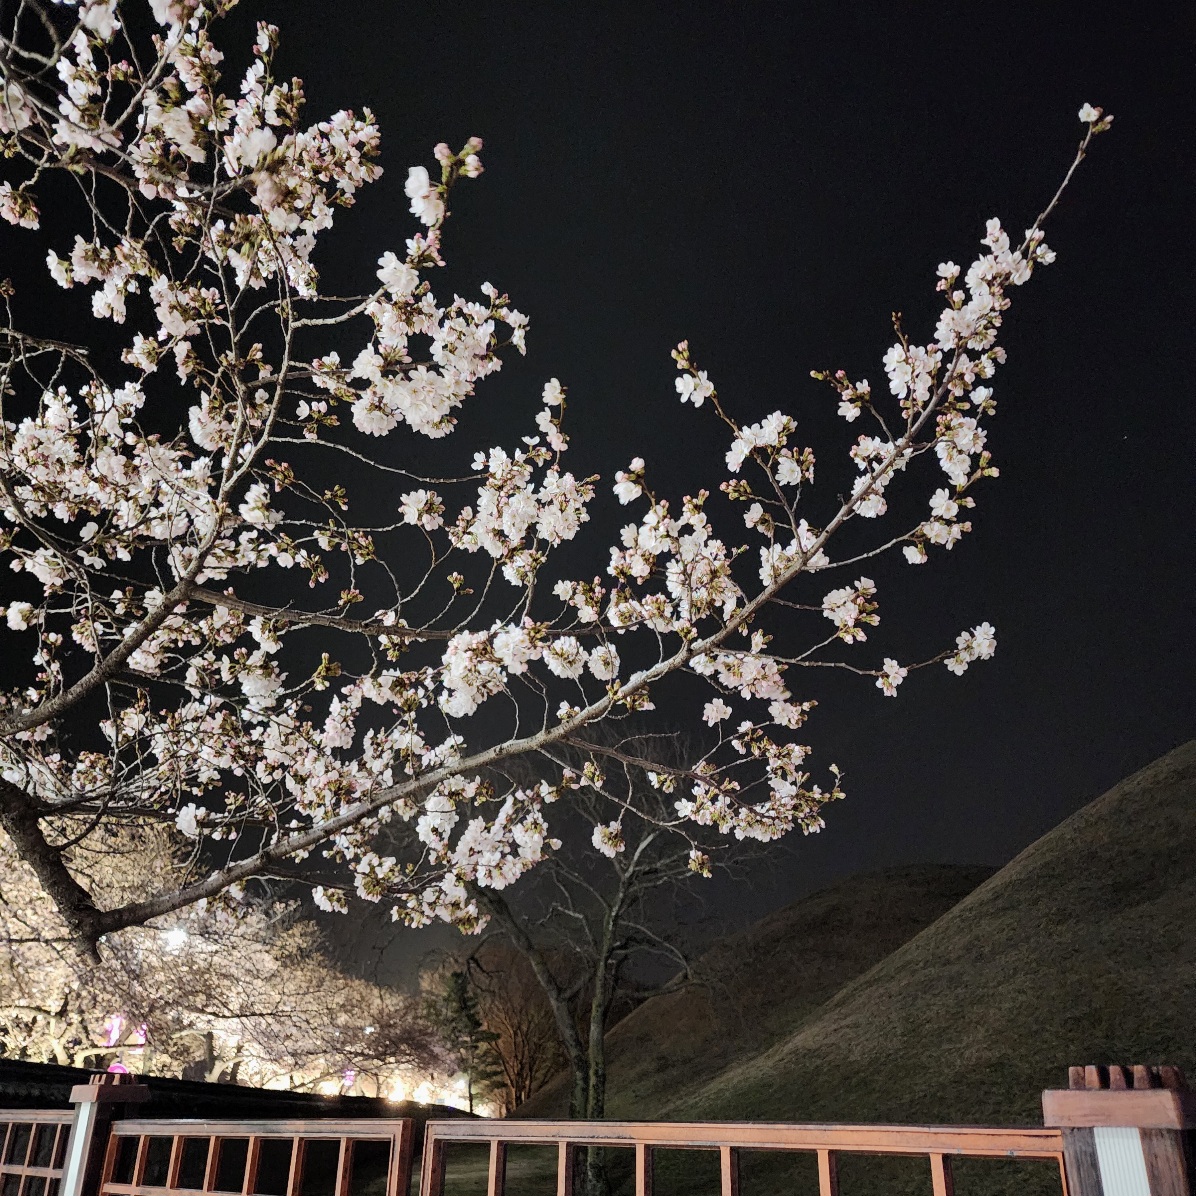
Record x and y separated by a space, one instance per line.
978 1141
402 1154
828 1173
643 1169
431 1179
212 1166
729 1170
496 1178
566 1162
940 1173
343 1165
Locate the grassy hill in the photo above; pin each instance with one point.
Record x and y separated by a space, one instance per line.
1082 949
758 986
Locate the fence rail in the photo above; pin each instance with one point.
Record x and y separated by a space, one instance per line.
325 1157
939 1144
1114 1132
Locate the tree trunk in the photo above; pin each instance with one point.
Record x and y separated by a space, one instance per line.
597 1182
587 1060
596 1069
561 1013
20 817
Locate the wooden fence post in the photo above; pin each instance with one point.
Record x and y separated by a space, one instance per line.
1127 1131
566 1168
496 1176
728 1166
95 1104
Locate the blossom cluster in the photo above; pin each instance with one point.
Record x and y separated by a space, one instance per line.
148 545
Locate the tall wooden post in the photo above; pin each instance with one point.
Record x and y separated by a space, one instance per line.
94 1104
1127 1131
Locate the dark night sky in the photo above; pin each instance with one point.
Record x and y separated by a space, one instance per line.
771 182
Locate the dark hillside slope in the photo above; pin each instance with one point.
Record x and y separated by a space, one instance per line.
756 987
1082 949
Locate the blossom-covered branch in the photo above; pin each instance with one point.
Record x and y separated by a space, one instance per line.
229 636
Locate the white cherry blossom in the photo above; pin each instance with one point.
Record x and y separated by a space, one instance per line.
304 647
891 676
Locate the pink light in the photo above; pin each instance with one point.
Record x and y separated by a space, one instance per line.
114 1023
347 1078
119 1068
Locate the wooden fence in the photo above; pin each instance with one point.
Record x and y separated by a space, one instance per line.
938 1143
33 1151
358 1157
1115 1132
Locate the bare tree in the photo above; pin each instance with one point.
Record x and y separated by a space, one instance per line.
512 1008
515 1009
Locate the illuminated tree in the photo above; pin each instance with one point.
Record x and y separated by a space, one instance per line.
226 991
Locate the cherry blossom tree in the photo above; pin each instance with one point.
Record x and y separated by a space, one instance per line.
600 931
223 630
209 995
